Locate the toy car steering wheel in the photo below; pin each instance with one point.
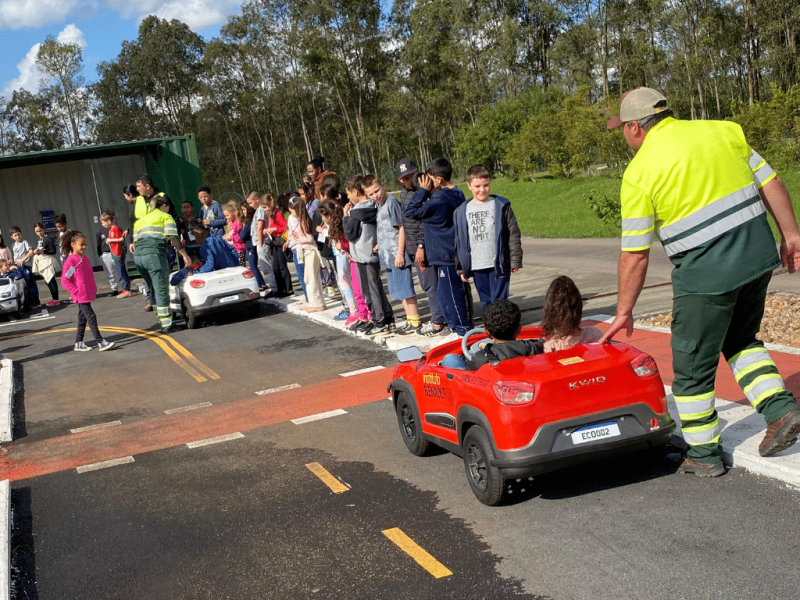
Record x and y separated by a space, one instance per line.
465 349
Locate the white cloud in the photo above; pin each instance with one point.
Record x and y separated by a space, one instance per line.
197 14
29 73
16 14
72 35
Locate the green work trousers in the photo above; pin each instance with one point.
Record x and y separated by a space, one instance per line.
155 271
702 327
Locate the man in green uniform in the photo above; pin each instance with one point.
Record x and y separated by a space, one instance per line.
703 192
151 235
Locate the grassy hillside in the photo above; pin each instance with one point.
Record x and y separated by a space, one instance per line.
555 208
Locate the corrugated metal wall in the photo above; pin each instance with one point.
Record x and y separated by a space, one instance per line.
79 189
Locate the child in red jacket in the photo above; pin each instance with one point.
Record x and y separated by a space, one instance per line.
77 278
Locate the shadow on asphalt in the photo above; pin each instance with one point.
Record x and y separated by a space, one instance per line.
19 429
23 554
592 477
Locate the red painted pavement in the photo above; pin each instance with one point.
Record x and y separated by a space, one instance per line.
23 461
656 344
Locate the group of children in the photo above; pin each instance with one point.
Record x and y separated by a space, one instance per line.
433 227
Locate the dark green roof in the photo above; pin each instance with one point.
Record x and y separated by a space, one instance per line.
87 152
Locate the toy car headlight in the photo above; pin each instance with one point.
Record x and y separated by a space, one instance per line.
197 284
6 295
644 366
514 392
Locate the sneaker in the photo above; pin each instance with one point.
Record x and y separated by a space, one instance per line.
363 327
124 294
781 434
687 466
391 327
345 314
405 330
169 329
81 347
114 293
330 291
452 336
148 307
105 345
377 330
350 320
430 330
53 303
355 325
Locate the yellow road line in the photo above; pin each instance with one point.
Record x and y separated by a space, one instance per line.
180 348
410 547
337 487
142 333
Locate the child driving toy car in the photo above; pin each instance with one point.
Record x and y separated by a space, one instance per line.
501 322
561 325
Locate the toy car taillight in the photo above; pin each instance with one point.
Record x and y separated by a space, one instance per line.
247 274
197 284
644 366
514 392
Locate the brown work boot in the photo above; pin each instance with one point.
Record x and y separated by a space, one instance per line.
781 434
687 466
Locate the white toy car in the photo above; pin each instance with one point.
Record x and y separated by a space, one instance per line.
202 294
13 296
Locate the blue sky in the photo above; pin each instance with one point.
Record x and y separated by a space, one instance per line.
100 26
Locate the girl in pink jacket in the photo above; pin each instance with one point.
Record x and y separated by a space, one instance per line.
77 278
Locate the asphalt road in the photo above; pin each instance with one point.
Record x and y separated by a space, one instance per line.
246 518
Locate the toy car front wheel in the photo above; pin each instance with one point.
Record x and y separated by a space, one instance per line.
410 428
485 480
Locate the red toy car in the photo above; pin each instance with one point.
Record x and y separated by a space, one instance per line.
529 415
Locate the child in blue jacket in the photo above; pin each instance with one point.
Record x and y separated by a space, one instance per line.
488 241
435 204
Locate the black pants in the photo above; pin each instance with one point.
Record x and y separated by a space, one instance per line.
369 274
86 315
52 285
282 276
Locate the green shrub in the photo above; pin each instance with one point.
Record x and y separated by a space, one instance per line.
605 207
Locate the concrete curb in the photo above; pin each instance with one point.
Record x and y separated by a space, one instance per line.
389 342
5 540
6 400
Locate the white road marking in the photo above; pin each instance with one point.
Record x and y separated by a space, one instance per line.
320 416
291 386
105 464
360 371
5 539
172 411
93 427
25 321
216 440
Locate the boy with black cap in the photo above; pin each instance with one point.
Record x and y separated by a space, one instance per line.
435 203
406 170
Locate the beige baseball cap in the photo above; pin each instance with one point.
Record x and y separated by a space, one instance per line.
638 103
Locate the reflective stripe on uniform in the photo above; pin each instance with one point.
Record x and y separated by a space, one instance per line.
692 408
708 212
702 434
762 387
763 175
637 242
748 361
170 229
715 229
637 224
755 160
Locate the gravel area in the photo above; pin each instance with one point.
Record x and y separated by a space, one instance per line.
781 323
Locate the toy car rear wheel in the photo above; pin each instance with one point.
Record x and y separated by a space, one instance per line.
410 428
189 316
485 480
